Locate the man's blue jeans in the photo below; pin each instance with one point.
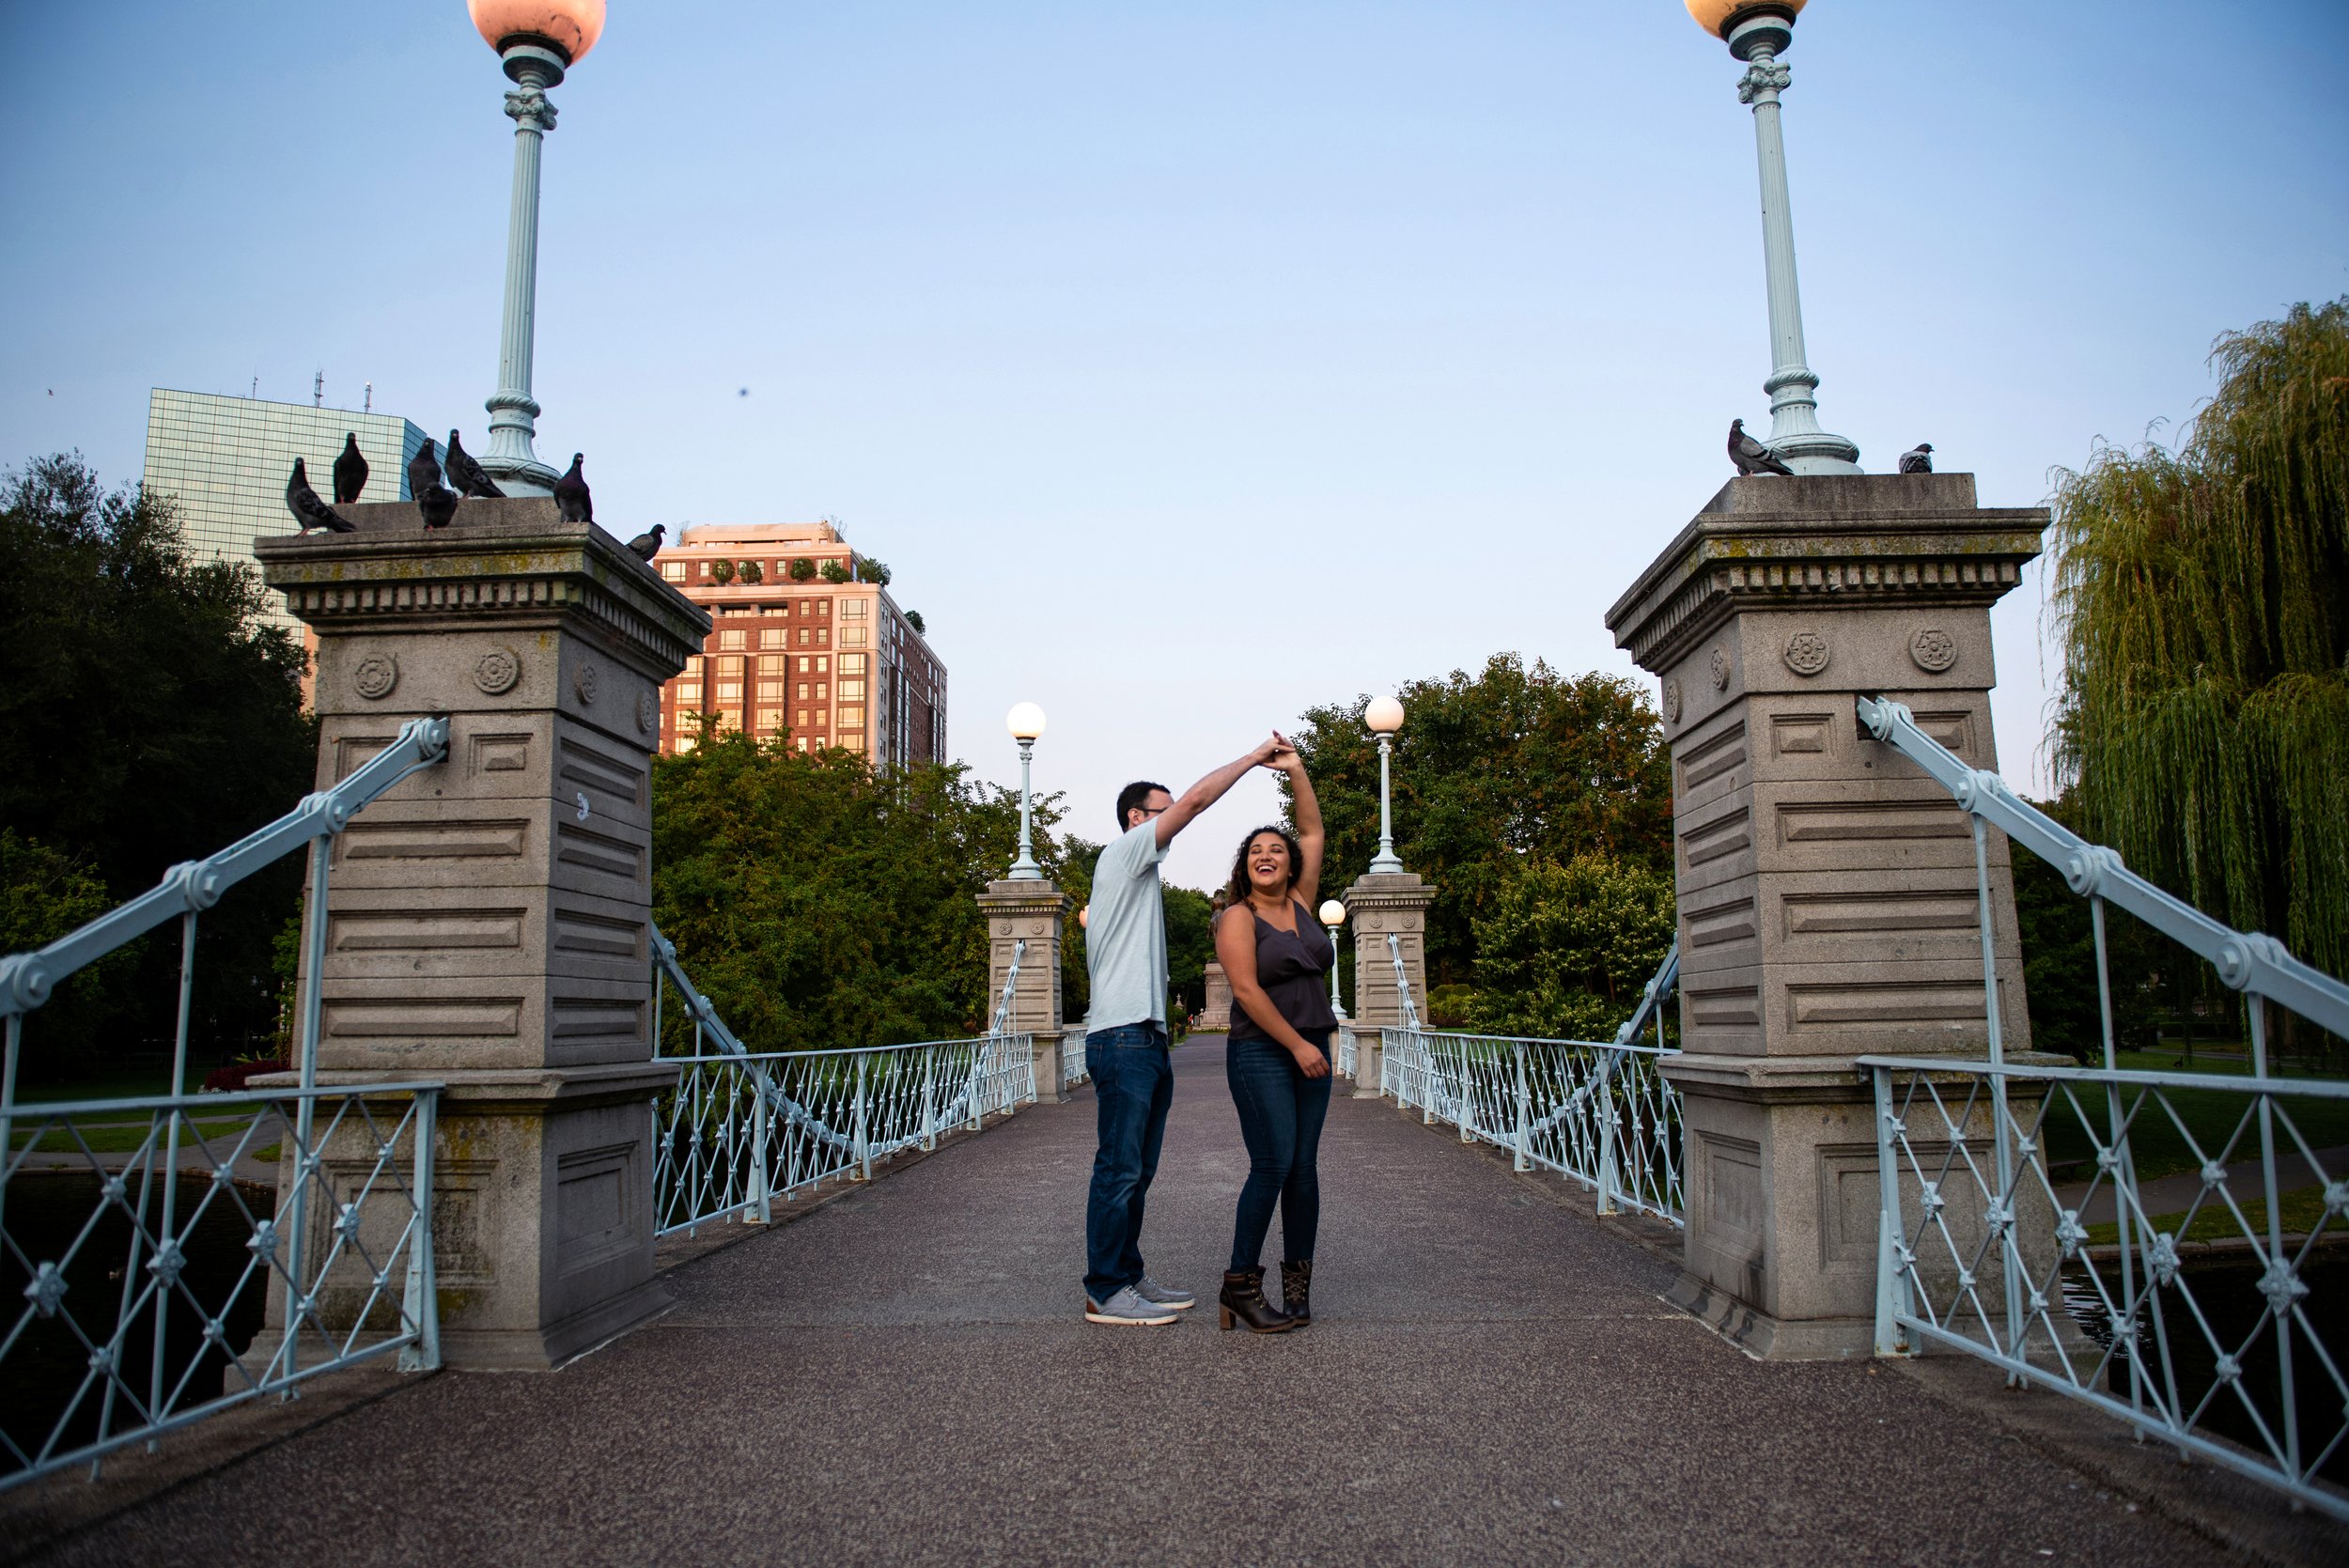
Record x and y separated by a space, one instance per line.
1133 1085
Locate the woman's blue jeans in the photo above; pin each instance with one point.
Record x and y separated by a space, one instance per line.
1281 1112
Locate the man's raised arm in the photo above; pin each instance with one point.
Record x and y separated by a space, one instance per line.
1207 791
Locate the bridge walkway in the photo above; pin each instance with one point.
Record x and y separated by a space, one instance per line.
903 1376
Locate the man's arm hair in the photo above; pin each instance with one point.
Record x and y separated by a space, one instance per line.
1207 791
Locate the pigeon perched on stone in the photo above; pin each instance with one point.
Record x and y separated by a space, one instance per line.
308 510
646 546
351 471
424 482
1749 454
571 494
1918 459
467 476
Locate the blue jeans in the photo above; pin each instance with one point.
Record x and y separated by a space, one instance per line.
1281 1112
1133 1086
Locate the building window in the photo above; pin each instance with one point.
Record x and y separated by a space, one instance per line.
852 690
851 664
689 693
729 690
823 663
731 639
851 636
851 718
823 637
673 571
774 637
770 690
820 688
852 609
772 665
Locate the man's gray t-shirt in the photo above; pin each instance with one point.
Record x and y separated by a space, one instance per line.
1126 933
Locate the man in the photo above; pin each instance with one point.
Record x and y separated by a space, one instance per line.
1133 1083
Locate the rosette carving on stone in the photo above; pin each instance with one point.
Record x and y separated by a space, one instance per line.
1934 650
1807 653
376 676
496 672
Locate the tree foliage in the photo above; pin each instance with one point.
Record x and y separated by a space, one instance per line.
148 715
2203 601
1514 766
823 906
1564 948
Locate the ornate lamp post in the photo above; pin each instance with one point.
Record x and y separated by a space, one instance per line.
1385 716
1025 721
1758 32
1333 916
538 40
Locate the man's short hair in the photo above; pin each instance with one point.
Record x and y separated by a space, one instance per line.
1134 797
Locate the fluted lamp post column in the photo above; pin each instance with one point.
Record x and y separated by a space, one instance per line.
1333 916
1384 716
1758 32
1026 722
538 40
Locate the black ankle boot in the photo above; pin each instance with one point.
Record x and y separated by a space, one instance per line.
1243 1299
1297 1285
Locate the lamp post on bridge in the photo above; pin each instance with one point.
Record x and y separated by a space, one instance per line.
1333 916
1758 32
1384 716
1026 724
539 41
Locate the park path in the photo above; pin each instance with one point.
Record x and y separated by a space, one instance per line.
903 1376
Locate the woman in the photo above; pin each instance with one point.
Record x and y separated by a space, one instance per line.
1277 957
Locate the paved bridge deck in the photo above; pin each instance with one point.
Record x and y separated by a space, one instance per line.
903 1376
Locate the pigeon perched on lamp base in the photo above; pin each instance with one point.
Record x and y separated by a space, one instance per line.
648 544
351 471
308 510
1751 455
571 494
438 501
1918 459
473 482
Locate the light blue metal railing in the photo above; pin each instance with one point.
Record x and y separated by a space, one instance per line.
741 1130
1073 1070
1603 1114
1979 1243
155 1245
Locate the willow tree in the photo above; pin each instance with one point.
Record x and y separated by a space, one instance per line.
2201 597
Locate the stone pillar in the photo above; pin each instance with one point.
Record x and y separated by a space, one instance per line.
1379 903
489 920
1032 913
1215 1018
1827 906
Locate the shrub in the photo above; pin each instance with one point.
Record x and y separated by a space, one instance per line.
802 570
751 571
835 570
721 572
914 619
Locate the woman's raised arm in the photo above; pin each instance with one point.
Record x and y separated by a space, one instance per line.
1306 807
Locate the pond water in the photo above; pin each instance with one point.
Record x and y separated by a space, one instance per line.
2225 1285
47 1368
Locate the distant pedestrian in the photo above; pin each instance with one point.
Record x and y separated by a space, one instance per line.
1125 1045
1278 959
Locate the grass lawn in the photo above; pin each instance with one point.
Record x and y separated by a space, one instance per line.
2210 1114
2216 1222
116 1137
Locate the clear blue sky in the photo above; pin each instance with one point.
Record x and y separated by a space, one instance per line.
1190 366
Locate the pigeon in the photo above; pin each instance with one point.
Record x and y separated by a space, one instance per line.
571 493
351 471
1749 454
423 482
646 546
1918 459
308 510
467 474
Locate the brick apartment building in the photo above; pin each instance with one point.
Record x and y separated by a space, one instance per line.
801 648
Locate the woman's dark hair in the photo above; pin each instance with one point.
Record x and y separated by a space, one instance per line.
1240 886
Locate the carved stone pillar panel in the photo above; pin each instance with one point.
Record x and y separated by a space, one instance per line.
489 920
1033 913
1379 905
1829 904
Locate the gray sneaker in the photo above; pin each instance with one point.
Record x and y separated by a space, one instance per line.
1160 1295
1127 1308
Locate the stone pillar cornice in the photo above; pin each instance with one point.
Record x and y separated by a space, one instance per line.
513 562
1770 542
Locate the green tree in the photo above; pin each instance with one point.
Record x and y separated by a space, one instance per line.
835 570
1563 949
820 906
1511 765
149 714
802 569
2202 597
870 570
750 572
43 896
2058 942
1189 946
721 572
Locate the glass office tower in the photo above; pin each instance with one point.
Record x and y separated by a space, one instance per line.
226 460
